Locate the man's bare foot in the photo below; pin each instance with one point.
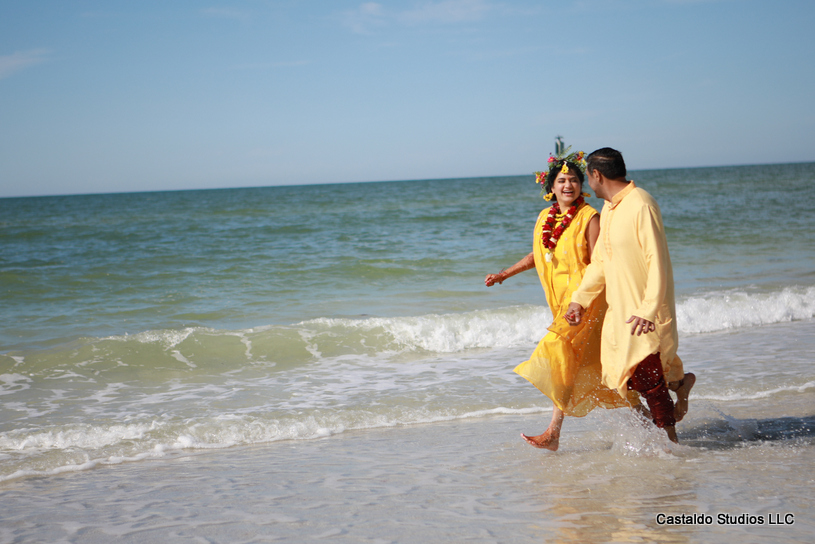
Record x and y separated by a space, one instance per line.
671 430
643 411
546 441
682 389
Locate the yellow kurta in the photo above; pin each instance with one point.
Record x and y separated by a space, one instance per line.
631 263
566 364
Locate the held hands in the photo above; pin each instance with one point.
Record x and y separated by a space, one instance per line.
642 324
574 313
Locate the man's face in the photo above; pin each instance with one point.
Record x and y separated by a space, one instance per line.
593 182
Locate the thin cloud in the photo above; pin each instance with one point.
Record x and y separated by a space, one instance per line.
20 60
268 65
628 5
371 16
365 18
447 12
227 13
500 53
694 1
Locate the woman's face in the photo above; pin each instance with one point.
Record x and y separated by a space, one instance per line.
567 188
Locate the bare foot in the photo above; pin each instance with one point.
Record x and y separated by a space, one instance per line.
671 430
546 441
682 391
643 411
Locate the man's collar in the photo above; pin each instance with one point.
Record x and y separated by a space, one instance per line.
616 199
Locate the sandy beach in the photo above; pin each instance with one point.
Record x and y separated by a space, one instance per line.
459 481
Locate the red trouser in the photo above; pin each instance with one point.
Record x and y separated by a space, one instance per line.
649 381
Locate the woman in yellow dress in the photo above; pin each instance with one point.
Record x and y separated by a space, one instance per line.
566 364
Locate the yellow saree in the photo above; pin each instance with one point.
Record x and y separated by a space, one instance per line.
566 364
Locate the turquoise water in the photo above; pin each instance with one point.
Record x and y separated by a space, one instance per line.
141 324
113 264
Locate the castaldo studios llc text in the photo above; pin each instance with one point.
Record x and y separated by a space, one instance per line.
725 519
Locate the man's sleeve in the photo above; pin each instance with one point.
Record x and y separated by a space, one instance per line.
651 235
594 280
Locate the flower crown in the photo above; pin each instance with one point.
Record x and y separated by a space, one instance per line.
559 161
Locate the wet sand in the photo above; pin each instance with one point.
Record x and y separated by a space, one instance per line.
458 481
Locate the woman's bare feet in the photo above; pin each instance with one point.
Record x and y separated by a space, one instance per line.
546 441
682 390
551 437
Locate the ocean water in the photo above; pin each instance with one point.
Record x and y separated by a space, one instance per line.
152 327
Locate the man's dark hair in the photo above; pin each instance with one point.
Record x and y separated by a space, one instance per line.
608 162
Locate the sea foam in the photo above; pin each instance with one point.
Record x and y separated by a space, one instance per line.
204 350
521 325
738 309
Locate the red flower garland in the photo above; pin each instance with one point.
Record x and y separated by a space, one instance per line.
551 234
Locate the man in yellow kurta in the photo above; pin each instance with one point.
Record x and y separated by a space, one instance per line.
631 262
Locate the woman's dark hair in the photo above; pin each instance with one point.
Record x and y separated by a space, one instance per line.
608 162
550 178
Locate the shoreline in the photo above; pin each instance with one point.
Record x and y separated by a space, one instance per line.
472 480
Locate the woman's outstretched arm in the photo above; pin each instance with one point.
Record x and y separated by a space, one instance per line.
524 264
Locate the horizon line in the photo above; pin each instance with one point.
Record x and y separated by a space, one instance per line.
147 191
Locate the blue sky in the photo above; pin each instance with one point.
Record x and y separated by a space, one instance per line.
111 96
